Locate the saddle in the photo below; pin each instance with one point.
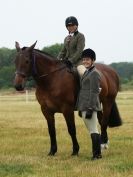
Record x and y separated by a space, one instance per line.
69 65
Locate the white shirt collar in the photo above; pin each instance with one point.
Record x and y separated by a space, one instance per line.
71 34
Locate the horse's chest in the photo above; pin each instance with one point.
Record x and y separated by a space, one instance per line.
44 99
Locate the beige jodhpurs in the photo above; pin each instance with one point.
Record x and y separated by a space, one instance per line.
81 69
92 123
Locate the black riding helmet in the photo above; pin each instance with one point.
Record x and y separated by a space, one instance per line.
89 53
71 21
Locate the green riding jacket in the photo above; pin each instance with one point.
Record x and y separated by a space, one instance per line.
72 48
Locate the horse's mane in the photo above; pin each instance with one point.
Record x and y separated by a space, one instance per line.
42 52
45 53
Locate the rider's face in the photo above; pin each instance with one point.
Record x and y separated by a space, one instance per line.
87 62
72 28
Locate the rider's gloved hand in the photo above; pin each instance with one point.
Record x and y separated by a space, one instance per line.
80 113
89 113
68 62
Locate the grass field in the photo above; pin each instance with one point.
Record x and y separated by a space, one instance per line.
24 144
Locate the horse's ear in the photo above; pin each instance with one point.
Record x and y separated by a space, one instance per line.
17 46
32 47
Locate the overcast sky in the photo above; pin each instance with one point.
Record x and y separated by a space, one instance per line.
106 24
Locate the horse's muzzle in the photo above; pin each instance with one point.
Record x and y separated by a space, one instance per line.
19 82
19 87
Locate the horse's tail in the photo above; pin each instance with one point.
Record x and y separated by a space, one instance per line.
114 118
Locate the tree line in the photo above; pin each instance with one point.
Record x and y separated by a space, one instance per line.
7 67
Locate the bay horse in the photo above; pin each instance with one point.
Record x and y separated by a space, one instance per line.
57 90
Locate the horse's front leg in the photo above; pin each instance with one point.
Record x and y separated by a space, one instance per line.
52 132
69 117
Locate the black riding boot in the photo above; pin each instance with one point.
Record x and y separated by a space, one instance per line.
96 146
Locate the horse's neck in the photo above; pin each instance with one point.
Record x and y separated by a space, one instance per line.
43 64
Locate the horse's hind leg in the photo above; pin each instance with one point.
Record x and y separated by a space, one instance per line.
52 132
69 117
104 123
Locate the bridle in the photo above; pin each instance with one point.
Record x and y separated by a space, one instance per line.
34 70
44 75
20 73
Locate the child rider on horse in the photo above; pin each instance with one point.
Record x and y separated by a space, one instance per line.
74 43
88 101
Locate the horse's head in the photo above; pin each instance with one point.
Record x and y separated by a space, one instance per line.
23 64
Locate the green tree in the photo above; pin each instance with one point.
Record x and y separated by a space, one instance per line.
6 57
7 76
125 70
53 49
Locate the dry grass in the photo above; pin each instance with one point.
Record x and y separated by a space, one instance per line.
24 144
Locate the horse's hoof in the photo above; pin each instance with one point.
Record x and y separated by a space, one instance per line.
104 146
74 154
96 157
51 153
75 151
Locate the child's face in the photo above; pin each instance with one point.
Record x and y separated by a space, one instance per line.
87 62
72 28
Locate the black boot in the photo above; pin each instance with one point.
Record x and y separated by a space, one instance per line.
96 146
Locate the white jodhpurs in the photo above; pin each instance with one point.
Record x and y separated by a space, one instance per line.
92 123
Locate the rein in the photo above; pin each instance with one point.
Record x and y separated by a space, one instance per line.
44 75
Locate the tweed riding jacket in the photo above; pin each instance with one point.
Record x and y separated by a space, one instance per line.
89 91
73 47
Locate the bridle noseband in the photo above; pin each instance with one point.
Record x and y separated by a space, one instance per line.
20 73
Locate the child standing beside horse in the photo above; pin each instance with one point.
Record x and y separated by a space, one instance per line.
88 100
